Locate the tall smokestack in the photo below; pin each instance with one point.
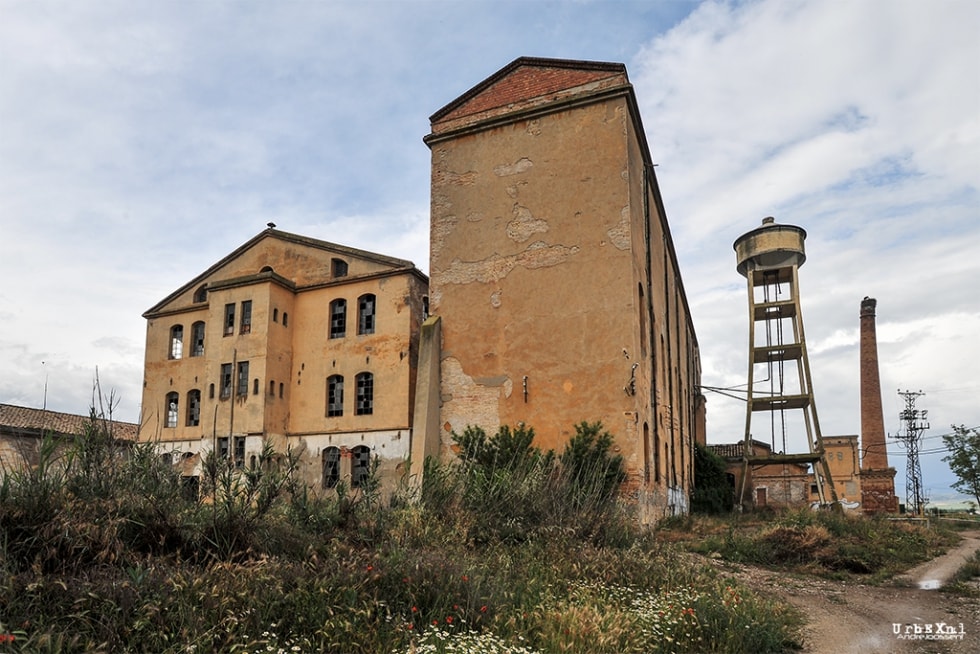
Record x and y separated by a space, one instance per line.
872 417
877 479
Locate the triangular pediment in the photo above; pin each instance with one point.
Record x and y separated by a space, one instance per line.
288 259
525 83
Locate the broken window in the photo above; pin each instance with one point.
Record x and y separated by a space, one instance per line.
360 466
239 451
331 467
338 318
197 339
229 319
335 396
225 381
193 408
176 341
246 326
223 447
365 314
364 405
339 267
172 401
201 294
242 378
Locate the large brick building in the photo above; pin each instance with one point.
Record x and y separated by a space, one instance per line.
305 344
555 294
554 277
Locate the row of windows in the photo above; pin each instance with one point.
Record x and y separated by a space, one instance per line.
360 466
338 323
365 316
363 397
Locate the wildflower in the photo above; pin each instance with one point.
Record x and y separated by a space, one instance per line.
435 623
465 578
449 619
483 609
370 568
415 609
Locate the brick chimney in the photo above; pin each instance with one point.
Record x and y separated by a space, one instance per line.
877 479
872 418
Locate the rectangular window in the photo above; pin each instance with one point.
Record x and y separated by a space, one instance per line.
242 378
246 326
365 314
338 318
194 408
239 451
364 405
197 339
225 381
223 447
176 341
335 396
171 410
229 319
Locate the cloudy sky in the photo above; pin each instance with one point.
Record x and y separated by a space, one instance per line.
142 141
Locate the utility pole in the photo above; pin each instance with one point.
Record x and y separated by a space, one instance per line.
915 424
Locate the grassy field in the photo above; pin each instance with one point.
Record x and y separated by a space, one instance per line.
525 553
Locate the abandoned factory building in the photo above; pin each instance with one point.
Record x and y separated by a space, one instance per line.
554 297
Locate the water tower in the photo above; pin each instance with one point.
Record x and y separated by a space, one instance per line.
780 408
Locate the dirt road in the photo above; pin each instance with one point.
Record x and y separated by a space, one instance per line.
852 618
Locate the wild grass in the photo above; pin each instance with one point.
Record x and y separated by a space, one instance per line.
104 551
815 542
966 581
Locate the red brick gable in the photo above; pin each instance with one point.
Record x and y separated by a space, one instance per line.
528 82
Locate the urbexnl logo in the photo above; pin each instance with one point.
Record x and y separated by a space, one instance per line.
928 631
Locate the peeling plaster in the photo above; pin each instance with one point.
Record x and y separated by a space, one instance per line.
537 255
440 177
533 127
473 403
495 298
524 225
443 227
620 234
521 165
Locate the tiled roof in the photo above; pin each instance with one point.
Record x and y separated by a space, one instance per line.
734 450
25 419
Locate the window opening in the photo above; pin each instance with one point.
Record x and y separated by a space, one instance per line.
285 319
197 339
211 391
193 408
255 386
275 315
223 447
225 381
360 466
365 314
425 307
242 378
229 319
201 294
172 401
339 268
280 390
338 318
239 451
365 394
331 467
335 396
272 388
176 341
246 324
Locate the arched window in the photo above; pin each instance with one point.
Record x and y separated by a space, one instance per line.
266 269
285 319
335 396
272 388
365 314
338 318
171 407
197 339
275 315
364 404
360 466
193 408
331 467
338 267
201 294
176 341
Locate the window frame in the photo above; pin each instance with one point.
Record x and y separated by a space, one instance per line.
171 410
330 467
338 318
241 388
198 331
335 388
176 351
193 408
364 394
245 321
226 381
367 307
360 465
229 324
